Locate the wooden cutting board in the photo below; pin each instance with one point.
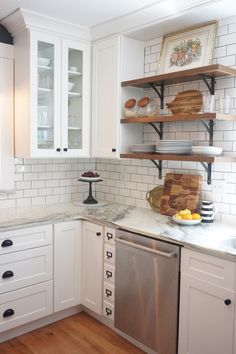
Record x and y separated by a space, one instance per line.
186 102
180 192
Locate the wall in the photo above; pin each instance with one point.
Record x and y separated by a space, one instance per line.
47 181
127 181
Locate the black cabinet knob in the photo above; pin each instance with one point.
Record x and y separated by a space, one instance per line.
108 312
58 149
7 274
65 149
7 243
98 233
113 149
227 302
8 312
109 255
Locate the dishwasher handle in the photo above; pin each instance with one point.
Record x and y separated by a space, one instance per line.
147 249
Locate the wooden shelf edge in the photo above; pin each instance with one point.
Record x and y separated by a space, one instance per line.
171 157
178 118
214 70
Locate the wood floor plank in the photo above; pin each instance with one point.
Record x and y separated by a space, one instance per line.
79 334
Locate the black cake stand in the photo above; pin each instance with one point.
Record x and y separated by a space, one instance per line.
90 200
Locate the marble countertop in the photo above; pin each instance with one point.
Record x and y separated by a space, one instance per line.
205 237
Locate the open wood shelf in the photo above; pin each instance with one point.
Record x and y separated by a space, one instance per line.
179 117
173 157
210 71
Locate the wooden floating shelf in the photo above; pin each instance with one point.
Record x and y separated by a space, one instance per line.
173 157
214 71
179 117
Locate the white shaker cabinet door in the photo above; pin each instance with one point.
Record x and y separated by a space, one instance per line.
105 93
92 266
206 318
67 265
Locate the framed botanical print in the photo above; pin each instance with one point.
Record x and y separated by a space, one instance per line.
188 49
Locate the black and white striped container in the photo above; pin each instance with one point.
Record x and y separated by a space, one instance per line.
208 211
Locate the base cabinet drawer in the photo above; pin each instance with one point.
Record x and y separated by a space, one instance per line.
108 310
25 305
109 292
109 273
26 268
23 239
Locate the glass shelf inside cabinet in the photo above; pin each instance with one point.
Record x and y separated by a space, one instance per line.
46 52
75 92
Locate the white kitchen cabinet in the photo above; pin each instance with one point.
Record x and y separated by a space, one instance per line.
67 265
92 266
206 323
115 59
52 91
6 118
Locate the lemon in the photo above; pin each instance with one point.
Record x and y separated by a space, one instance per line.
196 216
177 216
187 217
184 212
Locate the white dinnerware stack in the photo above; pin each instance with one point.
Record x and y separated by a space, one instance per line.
143 148
174 147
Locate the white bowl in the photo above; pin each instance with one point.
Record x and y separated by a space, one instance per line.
70 85
43 61
186 222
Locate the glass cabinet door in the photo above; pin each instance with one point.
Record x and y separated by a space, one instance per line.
46 140
75 99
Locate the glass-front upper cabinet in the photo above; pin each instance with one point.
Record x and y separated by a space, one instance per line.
46 95
75 98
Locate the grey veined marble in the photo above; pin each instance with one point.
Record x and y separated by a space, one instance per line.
143 221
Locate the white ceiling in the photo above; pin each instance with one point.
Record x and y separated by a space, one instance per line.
82 12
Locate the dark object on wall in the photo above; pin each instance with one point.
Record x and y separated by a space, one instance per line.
5 36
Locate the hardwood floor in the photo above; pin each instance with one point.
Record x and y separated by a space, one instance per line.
79 334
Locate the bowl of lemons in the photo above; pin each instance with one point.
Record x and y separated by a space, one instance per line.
185 217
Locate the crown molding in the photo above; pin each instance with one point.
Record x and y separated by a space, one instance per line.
22 19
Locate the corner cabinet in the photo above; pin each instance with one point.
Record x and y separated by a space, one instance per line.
114 59
52 95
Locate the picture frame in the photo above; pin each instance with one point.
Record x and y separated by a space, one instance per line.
188 49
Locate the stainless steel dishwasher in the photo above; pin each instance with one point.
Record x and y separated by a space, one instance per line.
147 290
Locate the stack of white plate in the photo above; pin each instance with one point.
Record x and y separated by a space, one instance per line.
207 150
144 148
174 147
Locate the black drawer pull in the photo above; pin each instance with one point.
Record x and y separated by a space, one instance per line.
109 236
108 312
98 233
65 149
108 292
113 149
8 312
7 243
108 274
7 274
109 255
58 149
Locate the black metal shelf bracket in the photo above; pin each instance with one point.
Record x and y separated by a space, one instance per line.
160 92
158 131
208 168
210 83
210 129
159 167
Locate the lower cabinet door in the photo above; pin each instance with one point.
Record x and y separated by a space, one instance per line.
67 265
206 321
92 266
25 305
